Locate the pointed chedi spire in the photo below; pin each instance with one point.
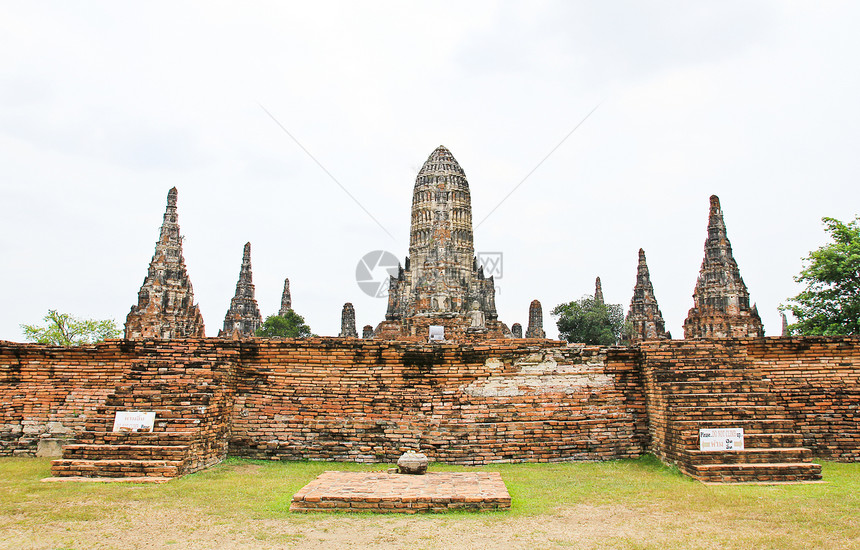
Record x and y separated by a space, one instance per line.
165 302
535 328
286 299
785 330
721 302
598 291
347 322
644 319
243 316
442 278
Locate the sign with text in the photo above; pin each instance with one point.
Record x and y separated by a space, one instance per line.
134 421
721 439
437 333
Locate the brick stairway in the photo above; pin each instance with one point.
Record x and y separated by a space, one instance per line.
725 392
190 431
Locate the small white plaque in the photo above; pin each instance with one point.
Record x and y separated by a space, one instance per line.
721 439
134 421
437 333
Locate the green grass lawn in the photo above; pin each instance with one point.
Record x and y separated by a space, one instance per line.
241 492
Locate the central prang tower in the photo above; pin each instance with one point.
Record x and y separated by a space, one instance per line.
441 283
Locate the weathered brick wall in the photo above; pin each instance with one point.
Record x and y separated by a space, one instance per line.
47 393
328 398
52 395
817 379
369 400
813 383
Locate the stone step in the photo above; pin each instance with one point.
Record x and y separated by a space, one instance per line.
715 386
720 399
728 412
136 438
706 375
161 424
751 440
746 473
125 452
750 425
783 455
115 468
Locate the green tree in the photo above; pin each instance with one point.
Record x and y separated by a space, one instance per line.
589 321
291 325
830 303
62 329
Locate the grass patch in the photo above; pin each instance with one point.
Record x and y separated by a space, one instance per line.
243 498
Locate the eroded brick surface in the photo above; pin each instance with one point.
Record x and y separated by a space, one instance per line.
367 400
721 301
165 303
403 493
440 282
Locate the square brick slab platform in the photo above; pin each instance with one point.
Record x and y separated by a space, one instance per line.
403 493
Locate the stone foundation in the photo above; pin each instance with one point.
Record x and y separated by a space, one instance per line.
367 401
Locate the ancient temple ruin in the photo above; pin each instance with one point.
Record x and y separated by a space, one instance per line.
347 322
441 283
535 328
243 316
721 302
286 299
598 292
644 319
165 303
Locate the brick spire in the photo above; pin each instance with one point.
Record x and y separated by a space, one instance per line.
644 317
535 329
286 299
721 302
598 291
165 303
243 316
440 279
347 322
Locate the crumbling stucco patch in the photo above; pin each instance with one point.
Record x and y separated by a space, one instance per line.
541 373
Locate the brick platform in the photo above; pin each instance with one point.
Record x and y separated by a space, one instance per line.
384 492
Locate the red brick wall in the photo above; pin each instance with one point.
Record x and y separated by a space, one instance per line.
49 393
368 401
817 379
815 382
55 394
328 398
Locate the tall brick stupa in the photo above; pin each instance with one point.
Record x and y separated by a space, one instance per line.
441 283
721 301
644 317
165 303
243 316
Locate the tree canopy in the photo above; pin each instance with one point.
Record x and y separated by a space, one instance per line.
289 325
830 303
589 321
62 329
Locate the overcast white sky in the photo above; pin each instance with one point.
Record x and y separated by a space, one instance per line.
106 106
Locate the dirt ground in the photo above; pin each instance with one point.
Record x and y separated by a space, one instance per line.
582 526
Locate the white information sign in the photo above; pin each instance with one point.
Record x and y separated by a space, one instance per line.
134 421
721 439
437 333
